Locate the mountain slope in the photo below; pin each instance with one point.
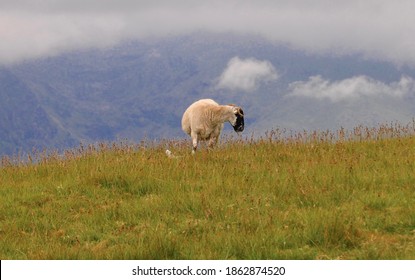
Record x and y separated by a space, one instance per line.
24 123
140 89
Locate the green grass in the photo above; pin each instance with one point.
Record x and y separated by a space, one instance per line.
306 196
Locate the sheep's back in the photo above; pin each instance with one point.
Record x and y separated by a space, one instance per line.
194 114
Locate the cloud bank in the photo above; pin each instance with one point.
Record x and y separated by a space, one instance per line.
352 88
246 74
379 29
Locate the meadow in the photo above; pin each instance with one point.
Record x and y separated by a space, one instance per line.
306 195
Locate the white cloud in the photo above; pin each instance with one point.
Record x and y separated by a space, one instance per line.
26 36
246 74
380 29
352 88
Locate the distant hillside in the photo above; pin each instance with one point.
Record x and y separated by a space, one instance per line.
140 89
24 123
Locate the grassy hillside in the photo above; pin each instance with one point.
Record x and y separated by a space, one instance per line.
302 196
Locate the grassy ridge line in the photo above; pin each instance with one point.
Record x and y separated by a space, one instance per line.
304 197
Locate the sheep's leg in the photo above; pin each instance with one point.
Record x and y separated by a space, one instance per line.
212 142
194 142
214 137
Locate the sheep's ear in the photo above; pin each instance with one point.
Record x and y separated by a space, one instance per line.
238 111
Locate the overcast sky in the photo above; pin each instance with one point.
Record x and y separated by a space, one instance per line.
378 29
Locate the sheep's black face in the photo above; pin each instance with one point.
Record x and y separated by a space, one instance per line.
239 124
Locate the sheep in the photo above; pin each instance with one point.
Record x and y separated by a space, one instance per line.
204 119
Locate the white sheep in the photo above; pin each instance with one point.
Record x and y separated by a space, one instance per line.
204 120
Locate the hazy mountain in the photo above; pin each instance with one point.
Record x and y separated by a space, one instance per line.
140 89
24 123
